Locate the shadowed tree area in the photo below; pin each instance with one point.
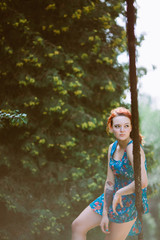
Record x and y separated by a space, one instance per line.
58 65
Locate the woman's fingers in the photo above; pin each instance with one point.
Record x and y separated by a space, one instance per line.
116 200
114 209
107 231
104 225
121 202
103 228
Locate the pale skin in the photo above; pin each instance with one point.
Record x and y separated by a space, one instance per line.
88 219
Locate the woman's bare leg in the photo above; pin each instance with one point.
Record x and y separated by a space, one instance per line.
87 220
119 231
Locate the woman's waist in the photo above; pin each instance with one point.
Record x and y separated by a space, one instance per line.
122 182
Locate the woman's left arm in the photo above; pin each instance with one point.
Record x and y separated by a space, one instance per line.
130 188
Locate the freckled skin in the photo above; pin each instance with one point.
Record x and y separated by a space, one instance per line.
121 128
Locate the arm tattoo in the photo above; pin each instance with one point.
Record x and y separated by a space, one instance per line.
109 188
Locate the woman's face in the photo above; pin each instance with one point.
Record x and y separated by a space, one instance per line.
121 127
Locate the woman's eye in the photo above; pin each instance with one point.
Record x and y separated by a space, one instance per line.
118 126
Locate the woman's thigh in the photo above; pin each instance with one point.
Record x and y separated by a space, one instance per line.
119 231
87 220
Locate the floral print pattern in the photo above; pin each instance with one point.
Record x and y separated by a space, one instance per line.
124 175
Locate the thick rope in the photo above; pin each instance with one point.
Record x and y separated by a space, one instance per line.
134 108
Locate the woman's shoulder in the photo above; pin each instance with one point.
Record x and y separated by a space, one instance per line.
109 148
129 147
129 150
112 148
112 145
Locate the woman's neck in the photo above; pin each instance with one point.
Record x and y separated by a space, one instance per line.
123 144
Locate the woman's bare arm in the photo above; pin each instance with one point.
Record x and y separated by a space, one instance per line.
108 196
109 186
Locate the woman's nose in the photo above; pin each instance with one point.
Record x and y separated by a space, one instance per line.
122 128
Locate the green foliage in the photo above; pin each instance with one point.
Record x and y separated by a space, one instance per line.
14 117
59 66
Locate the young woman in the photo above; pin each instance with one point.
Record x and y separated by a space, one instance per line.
115 210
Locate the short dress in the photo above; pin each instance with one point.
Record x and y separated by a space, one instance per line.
124 175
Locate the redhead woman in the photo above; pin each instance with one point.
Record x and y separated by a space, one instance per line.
115 211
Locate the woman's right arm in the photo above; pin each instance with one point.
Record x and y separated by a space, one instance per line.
108 196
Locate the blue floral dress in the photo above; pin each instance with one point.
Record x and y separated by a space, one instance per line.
124 175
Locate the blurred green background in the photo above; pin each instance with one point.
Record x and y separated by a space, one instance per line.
59 79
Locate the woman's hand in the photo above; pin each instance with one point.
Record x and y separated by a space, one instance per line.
104 224
117 199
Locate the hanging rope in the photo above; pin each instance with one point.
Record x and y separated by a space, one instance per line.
134 108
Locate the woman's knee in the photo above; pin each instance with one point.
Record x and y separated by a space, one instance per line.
77 226
74 224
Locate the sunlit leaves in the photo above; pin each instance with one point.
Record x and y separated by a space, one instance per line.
77 14
15 118
3 5
51 7
46 221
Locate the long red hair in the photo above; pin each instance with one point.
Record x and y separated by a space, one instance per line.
121 111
